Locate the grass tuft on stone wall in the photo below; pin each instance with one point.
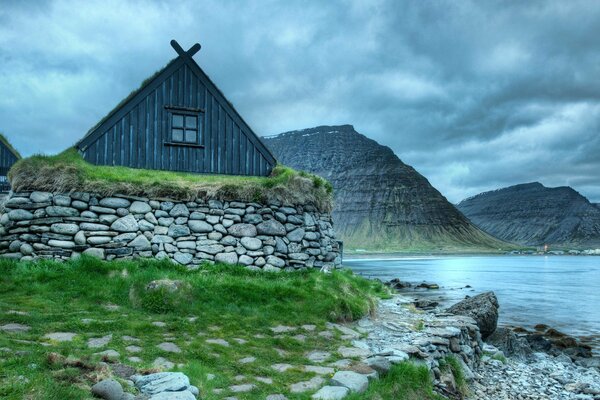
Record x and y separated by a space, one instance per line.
68 171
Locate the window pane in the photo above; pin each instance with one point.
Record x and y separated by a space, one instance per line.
191 122
178 135
177 120
190 136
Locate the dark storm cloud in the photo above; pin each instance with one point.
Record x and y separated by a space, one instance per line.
473 94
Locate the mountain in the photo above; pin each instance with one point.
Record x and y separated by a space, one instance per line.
532 214
380 203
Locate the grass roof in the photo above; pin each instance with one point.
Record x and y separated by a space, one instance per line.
68 171
4 140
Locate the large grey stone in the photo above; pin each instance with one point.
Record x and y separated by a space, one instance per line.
114 202
483 308
58 211
200 226
108 389
89 226
140 243
127 223
183 258
65 229
139 207
296 235
242 230
20 215
271 228
61 200
211 248
275 261
176 231
251 243
40 197
63 244
179 210
352 380
331 393
227 258
162 382
94 252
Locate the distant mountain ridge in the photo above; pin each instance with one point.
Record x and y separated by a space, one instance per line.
380 202
532 214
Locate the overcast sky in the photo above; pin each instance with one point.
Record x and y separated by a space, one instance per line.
476 95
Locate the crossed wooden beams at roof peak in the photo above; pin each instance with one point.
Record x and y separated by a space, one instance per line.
190 53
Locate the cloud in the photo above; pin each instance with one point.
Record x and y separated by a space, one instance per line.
475 95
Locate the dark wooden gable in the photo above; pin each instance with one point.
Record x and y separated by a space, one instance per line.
140 132
8 156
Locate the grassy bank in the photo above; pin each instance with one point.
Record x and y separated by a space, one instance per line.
94 299
69 171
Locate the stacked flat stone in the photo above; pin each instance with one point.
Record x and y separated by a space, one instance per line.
264 237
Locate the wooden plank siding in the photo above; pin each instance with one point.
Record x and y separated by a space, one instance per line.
135 134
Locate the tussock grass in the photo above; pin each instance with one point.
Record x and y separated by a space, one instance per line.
68 171
405 381
225 302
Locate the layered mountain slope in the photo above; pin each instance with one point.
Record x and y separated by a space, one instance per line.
380 202
533 214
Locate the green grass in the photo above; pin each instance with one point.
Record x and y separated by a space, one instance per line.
450 363
215 302
406 381
69 171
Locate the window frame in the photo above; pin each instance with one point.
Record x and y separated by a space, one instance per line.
185 112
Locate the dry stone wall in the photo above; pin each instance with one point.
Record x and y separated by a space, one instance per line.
267 237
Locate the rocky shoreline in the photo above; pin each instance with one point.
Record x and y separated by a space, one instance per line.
512 364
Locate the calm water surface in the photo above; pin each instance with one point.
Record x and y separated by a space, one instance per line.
560 291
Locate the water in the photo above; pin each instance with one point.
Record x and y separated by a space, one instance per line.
560 291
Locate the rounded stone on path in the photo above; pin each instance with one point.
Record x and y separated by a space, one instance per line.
283 329
133 349
331 393
163 363
318 356
14 328
60 336
130 338
281 367
350 352
134 359
276 397
99 342
317 369
220 342
312 384
309 328
169 347
352 380
108 389
246 387
108 354
240 341
247 360
159 324
265 380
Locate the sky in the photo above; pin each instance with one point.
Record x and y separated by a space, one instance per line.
476 95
